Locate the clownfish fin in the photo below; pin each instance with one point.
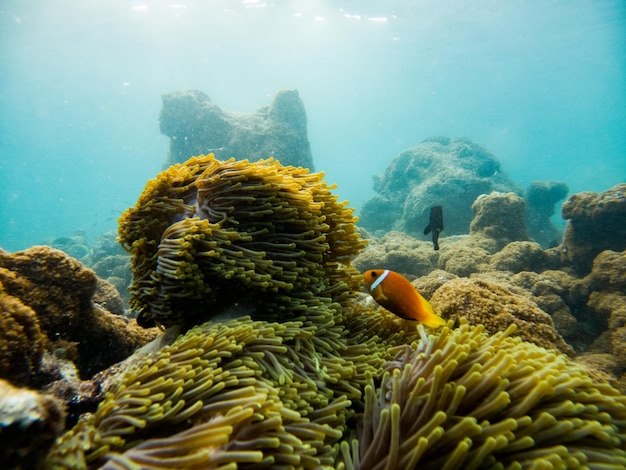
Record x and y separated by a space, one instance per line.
434 321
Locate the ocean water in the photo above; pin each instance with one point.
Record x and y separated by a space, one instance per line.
541 84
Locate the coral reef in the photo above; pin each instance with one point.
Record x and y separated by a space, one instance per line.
596 222
541 198
22 342
398 252
195 125
206 235
498 220
496 307
520 256
29 424
439 171
60 291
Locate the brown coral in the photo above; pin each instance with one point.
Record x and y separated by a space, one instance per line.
60 291
596 222
498 219
21 340
496 307
207 234
29 424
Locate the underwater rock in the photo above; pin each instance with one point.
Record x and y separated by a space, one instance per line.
60 291
463 259
22 342
196 126
207 235
439 171
29 424
596 222
608 272
541 198
498 220
522 256
115 269
398 252
75 246
496 307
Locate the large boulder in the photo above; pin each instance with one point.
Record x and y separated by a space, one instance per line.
197 126
439 171
596 222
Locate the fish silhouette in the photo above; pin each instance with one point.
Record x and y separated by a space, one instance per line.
436 225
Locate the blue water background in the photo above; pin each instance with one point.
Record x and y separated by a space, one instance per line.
542 84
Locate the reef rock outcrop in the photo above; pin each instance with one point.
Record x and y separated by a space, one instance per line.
48 304
596 222
499 218
439 171
541 198
496 307
29 424
196 126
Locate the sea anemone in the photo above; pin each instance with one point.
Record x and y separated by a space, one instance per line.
207 234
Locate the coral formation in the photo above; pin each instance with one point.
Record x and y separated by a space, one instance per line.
60 291
498 220
207 234
520 256
596 222
29 424
439 171
335 384
541 198
21 340
496 307
195 125
398 252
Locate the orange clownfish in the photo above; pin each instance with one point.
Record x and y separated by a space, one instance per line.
395 293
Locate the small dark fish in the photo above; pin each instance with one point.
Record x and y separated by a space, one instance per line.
435 225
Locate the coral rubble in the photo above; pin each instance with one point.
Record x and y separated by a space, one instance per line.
196 125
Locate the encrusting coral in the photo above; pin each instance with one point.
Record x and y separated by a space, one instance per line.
60 292
596 222
495 307
212 233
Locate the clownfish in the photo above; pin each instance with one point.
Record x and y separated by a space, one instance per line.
395 293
